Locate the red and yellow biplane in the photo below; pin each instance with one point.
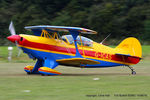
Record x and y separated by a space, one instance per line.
50 49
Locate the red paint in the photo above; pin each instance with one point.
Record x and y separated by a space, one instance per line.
101 55
127 59
14 38
134 60
26 68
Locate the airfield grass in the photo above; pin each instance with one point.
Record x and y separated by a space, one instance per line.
114 83
75 83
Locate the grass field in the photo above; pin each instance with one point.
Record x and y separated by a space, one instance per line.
75 83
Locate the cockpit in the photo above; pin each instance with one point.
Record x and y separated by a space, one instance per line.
81 40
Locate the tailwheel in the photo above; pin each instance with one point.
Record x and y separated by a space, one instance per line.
133 72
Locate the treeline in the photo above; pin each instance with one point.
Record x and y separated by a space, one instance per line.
121 18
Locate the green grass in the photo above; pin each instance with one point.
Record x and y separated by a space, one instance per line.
4 54
146 50
74 83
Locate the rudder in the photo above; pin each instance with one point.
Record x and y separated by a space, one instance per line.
132 45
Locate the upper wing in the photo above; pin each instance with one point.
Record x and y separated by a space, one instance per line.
37 30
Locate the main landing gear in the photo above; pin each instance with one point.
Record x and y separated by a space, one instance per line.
133 72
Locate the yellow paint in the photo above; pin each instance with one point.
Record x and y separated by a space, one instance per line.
45 34
46 69
29 67
78 61
128 46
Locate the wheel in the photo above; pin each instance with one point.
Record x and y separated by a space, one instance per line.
43 74
133 72
28 73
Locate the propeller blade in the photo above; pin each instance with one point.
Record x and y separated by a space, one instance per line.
16 43
12 29
19 50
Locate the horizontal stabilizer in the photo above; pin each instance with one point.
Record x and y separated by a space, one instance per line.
77 61
122 54
127 55
128 58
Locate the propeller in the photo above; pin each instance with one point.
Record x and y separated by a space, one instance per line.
12 32
12 29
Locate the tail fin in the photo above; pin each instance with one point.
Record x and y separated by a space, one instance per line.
132 46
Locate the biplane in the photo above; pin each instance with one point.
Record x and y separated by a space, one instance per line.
51 49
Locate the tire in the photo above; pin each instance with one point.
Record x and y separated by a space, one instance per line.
43 74
28 73
133 73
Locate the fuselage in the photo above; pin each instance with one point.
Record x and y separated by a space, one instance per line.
42 47
50 49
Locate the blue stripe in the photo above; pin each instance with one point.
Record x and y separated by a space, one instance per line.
42 55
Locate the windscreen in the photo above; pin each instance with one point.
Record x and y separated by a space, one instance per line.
84 41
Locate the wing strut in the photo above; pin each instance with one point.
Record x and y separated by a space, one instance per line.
74 35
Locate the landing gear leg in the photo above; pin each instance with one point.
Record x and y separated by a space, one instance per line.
133 72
